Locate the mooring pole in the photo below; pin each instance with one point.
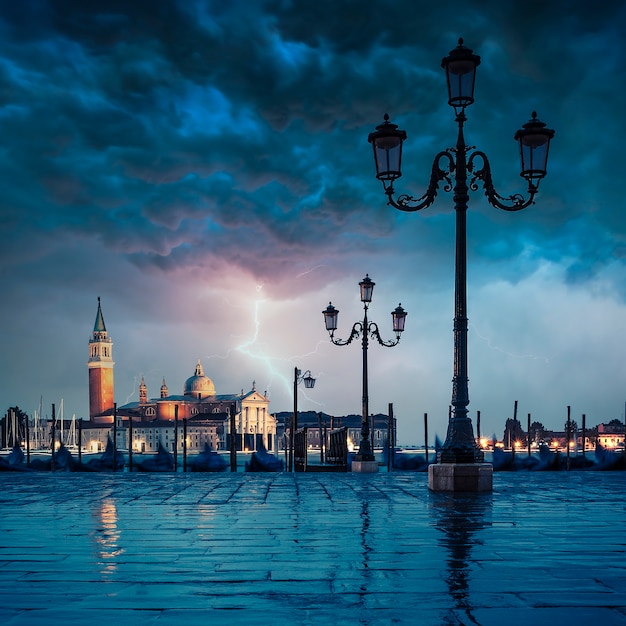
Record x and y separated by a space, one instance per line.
426 436
184 445
569 435
390 448
54 435
175 438
27 428
233 439
80 441
114 436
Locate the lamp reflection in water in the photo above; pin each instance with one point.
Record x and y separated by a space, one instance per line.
460 518
107 536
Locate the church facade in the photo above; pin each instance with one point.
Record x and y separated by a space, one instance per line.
200 412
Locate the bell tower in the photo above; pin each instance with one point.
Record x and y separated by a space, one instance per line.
100 366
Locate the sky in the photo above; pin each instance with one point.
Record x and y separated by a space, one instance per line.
203 167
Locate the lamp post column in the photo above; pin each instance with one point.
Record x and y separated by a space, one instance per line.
294 419
365 451
460 445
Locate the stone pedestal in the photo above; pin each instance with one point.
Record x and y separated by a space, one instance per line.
467 477
365 467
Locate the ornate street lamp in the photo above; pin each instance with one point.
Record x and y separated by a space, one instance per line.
365 329
457 163
309 383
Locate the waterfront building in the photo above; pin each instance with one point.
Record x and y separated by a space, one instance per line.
206 413
318 423
612 435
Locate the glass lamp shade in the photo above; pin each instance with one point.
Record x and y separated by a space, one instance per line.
330 317
399 317
387 143
534 143
460 66
309 381
367 288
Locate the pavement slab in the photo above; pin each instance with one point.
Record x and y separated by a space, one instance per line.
308 549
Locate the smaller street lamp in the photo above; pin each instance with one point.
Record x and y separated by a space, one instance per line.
365 329
309 383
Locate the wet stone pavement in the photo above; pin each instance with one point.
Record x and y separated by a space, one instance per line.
333 549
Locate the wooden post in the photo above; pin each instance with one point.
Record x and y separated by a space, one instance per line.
233 439
185 445
130 443
27 428
528 435
175 438
114 435
390 449
569 434
80 441
426 435
53 438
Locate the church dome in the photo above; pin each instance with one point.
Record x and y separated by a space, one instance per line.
199 385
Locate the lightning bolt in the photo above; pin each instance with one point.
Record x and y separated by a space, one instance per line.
309 271
251 348
132 394
490 345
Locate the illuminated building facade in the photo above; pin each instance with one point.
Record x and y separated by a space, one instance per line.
206 413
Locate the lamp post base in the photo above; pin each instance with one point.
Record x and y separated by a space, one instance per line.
461 477
364 467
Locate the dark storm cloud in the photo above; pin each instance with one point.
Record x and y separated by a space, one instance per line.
176 132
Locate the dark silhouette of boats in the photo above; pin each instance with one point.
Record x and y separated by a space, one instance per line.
555 460
14 461
162 461
63 461
208 461
609 459
110 460
403 461
264 461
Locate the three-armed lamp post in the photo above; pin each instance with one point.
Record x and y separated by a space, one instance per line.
309 383
457 163
365 329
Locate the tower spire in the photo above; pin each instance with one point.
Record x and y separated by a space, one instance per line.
99 326
100 367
